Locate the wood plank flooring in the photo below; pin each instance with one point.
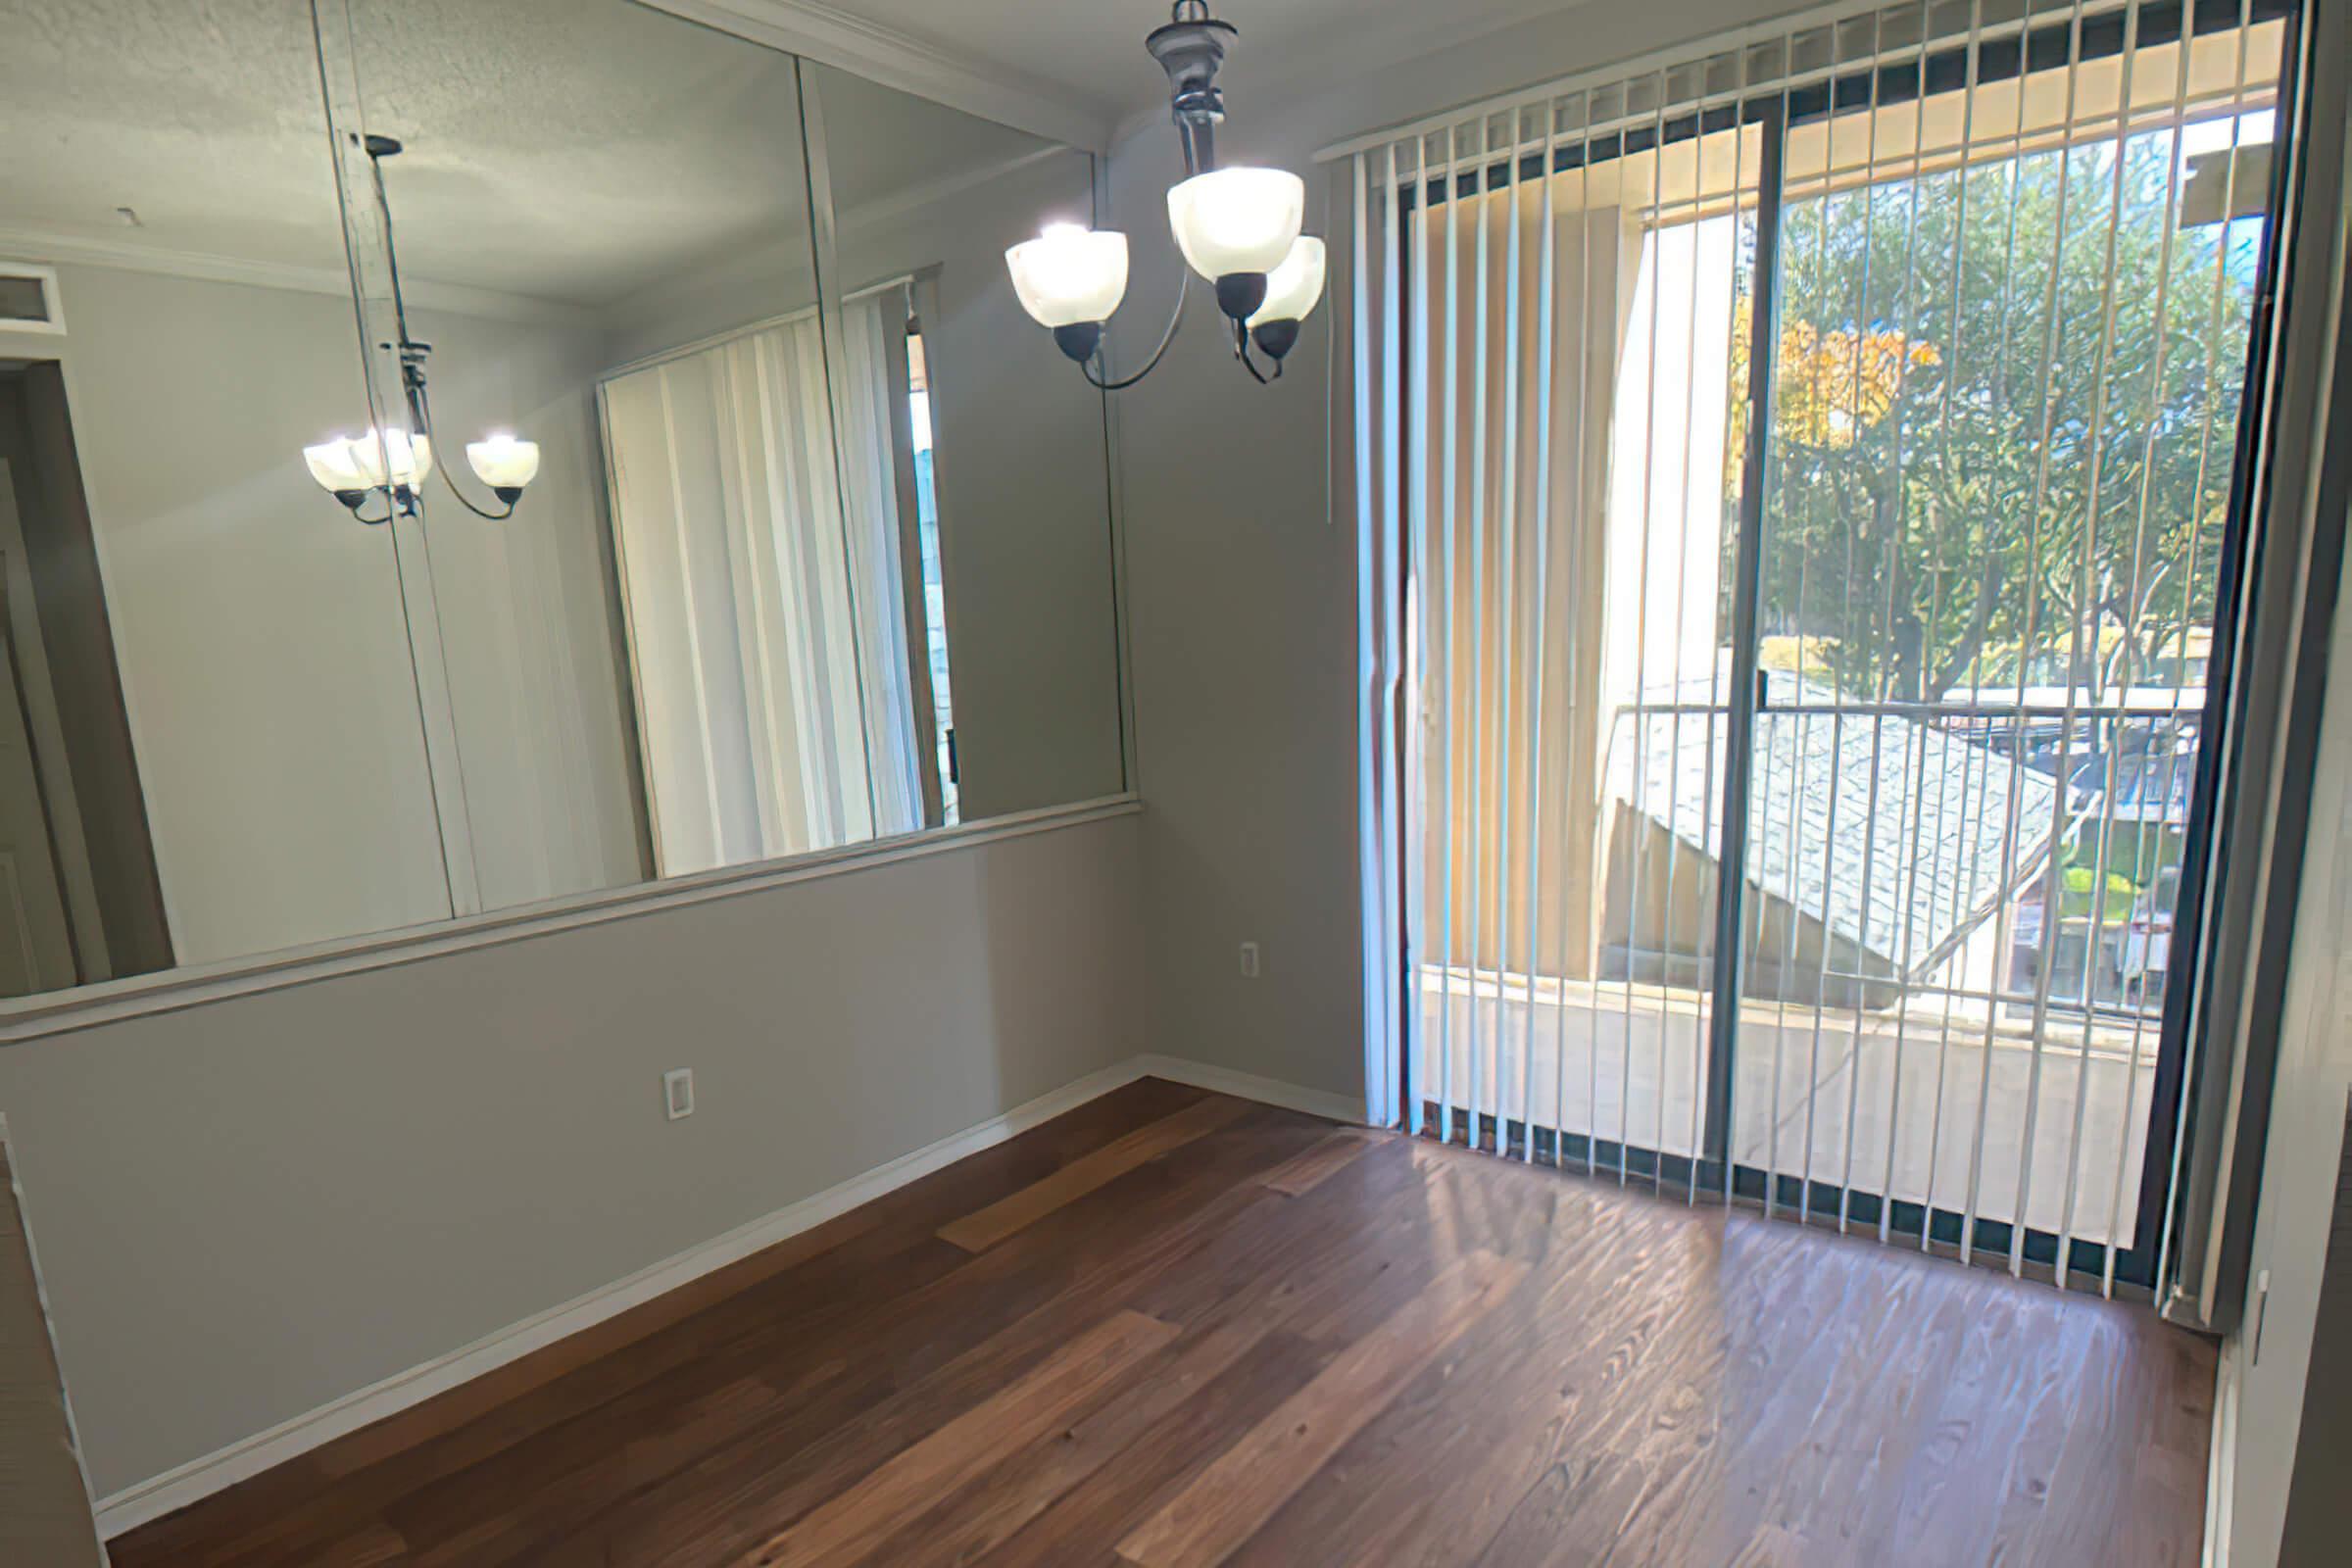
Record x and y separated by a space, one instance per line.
1176 1329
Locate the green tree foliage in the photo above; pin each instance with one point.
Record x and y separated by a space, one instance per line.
2031 455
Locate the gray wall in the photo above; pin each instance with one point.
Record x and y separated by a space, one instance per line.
48 1519
1241 594
252 1207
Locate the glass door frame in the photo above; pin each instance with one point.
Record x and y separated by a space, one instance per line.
1714 1171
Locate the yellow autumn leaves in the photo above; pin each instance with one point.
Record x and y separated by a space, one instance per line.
1828 388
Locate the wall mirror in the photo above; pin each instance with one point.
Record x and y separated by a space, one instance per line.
457 455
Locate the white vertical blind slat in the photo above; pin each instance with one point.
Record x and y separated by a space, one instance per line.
1540 662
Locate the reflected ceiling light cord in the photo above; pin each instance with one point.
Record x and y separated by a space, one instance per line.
398 462
1236 227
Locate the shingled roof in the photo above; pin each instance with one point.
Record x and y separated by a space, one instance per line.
1910 866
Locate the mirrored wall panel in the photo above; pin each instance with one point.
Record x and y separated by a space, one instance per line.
568 184
459 455
995 492
210 743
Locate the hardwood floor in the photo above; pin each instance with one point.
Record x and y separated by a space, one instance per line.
1171 1330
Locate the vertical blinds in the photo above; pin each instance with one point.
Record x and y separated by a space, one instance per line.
767 643
1782 746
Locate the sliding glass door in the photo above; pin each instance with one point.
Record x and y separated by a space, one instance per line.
1821 487
2011 332
1571 335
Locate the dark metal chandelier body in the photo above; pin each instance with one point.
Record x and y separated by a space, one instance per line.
1238 227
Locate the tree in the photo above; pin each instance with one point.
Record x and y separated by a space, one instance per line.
2004 408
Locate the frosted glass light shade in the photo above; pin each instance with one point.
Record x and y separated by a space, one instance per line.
393 456
1232 220
1293 287
504 463
1069 274
335 466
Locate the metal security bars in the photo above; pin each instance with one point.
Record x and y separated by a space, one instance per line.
1800 488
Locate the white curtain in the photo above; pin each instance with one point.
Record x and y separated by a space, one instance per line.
771 685
870 466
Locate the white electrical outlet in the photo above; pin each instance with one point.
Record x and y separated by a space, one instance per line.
677 1093
1250 964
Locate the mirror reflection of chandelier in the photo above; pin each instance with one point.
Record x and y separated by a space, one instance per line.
1236 227
397 461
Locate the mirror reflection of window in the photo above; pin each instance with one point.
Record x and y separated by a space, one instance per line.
1017 522
935 593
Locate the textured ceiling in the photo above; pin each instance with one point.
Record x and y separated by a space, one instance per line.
567 150
1094 49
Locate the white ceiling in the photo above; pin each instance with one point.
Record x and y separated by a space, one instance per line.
575 151
1093 50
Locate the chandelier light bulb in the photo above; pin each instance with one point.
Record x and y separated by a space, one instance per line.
1293 287
393 456
1069 274
1232 220
337 467
504 463
1291 290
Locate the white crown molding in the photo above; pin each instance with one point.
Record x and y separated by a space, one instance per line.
894 59
199 1478
20 244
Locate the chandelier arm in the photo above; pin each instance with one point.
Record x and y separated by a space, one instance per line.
1182 290
1240 352
490 516
424 413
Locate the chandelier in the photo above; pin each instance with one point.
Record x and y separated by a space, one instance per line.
398 462
1236 227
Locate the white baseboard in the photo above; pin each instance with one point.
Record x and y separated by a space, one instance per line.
200 1478
1249 1086
2221 1470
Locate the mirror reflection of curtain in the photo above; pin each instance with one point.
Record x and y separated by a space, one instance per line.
878 471
768 716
